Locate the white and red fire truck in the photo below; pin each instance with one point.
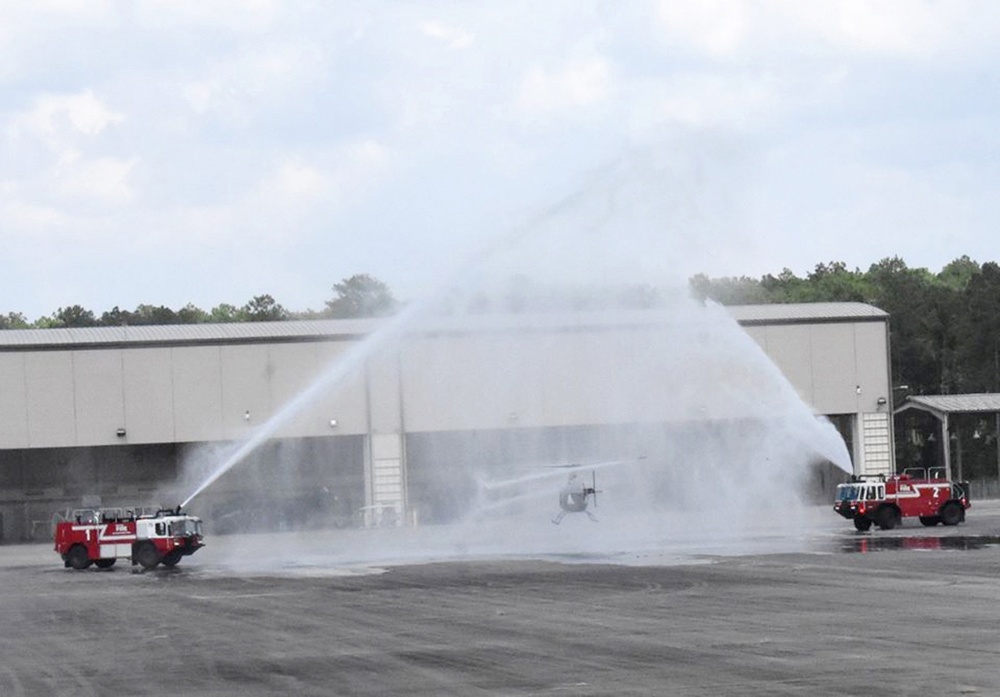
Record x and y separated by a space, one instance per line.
101 536
885 501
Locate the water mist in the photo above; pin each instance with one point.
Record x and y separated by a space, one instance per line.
691 431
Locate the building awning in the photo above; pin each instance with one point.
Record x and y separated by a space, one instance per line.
944 404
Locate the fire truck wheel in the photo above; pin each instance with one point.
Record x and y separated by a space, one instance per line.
171 558
147 556
105 563
78 558
862 524
951 514
930 520
887 517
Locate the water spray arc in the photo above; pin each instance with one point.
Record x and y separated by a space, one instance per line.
464 275
335 375
702 352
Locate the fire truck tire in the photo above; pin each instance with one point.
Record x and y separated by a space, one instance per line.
170 559
951 514
78 558
930 520
105 563
887 517
862 524
146 555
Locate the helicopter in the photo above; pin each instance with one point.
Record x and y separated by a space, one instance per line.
575 495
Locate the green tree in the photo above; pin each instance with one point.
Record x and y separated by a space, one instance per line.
361 295
957 274
729 291
263 308
918 323
153 315
116 317
190 314
225 313
784 287
73 316
979 331
13 320
833 282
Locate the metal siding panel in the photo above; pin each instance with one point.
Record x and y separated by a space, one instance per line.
419 370
758 334
245 388
573 384
49 380
100 407
873 367
384 392
294 370
342 396
149 403
455 383
197 393
13 402
602 377
835 375
789 347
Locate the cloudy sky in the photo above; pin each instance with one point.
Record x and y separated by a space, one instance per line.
183 151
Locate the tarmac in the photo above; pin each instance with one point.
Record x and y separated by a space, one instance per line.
912 611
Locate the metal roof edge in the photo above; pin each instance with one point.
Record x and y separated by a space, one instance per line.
290 331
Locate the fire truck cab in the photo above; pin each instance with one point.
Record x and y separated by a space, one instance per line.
101 536
885 501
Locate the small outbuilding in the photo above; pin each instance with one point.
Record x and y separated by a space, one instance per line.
964 421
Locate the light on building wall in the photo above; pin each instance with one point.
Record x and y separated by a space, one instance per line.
246 415
857 390
120 433
881 401
333 423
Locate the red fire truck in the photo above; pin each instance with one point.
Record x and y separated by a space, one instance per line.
885 501
101 536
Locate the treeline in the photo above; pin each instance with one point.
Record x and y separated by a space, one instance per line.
944 327
360 295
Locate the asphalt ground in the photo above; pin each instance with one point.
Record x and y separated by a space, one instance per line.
913 611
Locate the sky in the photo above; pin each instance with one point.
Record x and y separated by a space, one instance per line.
169 152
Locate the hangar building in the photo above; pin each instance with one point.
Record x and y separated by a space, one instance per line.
363 419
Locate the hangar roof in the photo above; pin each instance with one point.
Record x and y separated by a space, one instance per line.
234 332
347 329
806 312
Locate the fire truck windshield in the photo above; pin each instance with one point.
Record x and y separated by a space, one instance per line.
847 493
185 527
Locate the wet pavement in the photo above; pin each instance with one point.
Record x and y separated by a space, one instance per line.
818 609
980 532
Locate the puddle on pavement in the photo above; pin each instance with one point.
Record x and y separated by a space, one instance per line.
864 543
